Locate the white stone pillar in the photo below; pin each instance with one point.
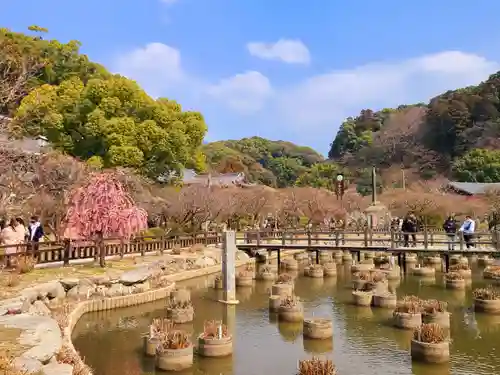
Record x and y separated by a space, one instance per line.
229 267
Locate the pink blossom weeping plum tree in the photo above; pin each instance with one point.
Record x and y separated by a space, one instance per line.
102 208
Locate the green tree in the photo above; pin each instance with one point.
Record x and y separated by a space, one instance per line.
364 183
114 120
478 165
321 175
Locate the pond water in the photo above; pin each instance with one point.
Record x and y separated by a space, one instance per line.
364 342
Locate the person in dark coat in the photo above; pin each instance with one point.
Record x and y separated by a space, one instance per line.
35 233
409 227
450 227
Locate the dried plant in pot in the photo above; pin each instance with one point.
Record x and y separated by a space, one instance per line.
408 314
316 271
454 280
434 311
291 310
430 344
462 269
157 329
316 366
458 259
359 279
218 282
175 351
285 278
180 312
244 278
266 273
491 271
318 328
215 340
330 269
487 300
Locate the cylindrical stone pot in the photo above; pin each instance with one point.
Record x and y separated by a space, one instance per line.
175 359
433 260
150 346
487 306
455 284
411 258
275 303
266 276
338 255
484 260
292 313
244 280
347 257
213 347
441 318
180 316
283 290
361 267
330 271
385 300
291 264
181 295
318 329
362 298
219 283
424 271
316 272
430 352
406 320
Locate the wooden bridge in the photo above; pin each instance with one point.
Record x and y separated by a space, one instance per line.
426 242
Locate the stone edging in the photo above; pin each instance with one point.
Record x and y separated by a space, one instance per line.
144 297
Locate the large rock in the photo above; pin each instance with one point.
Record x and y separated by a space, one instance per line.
69 282
57 369
117 290
205 261
81 292
39 308
41 333
28 365
52 289
138 275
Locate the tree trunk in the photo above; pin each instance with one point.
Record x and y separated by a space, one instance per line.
101 249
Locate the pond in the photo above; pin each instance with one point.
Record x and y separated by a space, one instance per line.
364 342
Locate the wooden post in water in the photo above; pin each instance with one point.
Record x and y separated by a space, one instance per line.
229 267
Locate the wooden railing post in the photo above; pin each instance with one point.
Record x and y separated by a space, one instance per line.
258 238
366 237
283 239
393 239
67 249
426 239
308 237
461 237
432 238
337 238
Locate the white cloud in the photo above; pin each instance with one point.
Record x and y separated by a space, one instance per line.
156 66
286 50
246 92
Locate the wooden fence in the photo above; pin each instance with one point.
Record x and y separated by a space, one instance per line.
65 251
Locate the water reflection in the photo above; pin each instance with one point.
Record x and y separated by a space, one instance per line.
364 340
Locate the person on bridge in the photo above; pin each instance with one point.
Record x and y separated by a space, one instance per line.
408 227
468 227
450 227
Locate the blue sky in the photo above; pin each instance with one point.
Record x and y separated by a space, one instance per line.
289 70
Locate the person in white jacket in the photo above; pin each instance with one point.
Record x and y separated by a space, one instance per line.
468 227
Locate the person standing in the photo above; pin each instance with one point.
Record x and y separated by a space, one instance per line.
35 233
8 237
468 227
409 227
450 227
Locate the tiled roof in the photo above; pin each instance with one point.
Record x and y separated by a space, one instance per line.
474 188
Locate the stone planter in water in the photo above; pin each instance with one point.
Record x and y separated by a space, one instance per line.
347 257
181 295
385 300
291 313
484 260
291 264
275 303
430 352
175 359
331 270
316 272
318 329
455 284
411 258
150 346
458 259
266 276
283 290
362 267
424 271
213 347
362 298
244 280
491 306
180 316
407 320
433 260
441 318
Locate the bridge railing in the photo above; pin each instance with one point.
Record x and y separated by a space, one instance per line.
368 238
66 251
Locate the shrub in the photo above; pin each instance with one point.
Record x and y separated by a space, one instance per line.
431 333
70 357
409 304
61 314
160 327
454 276
487 293
211 329
459 266
363 275
173 304
433 306
25 264
7 364
290 301
316 366
284 278
173 340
